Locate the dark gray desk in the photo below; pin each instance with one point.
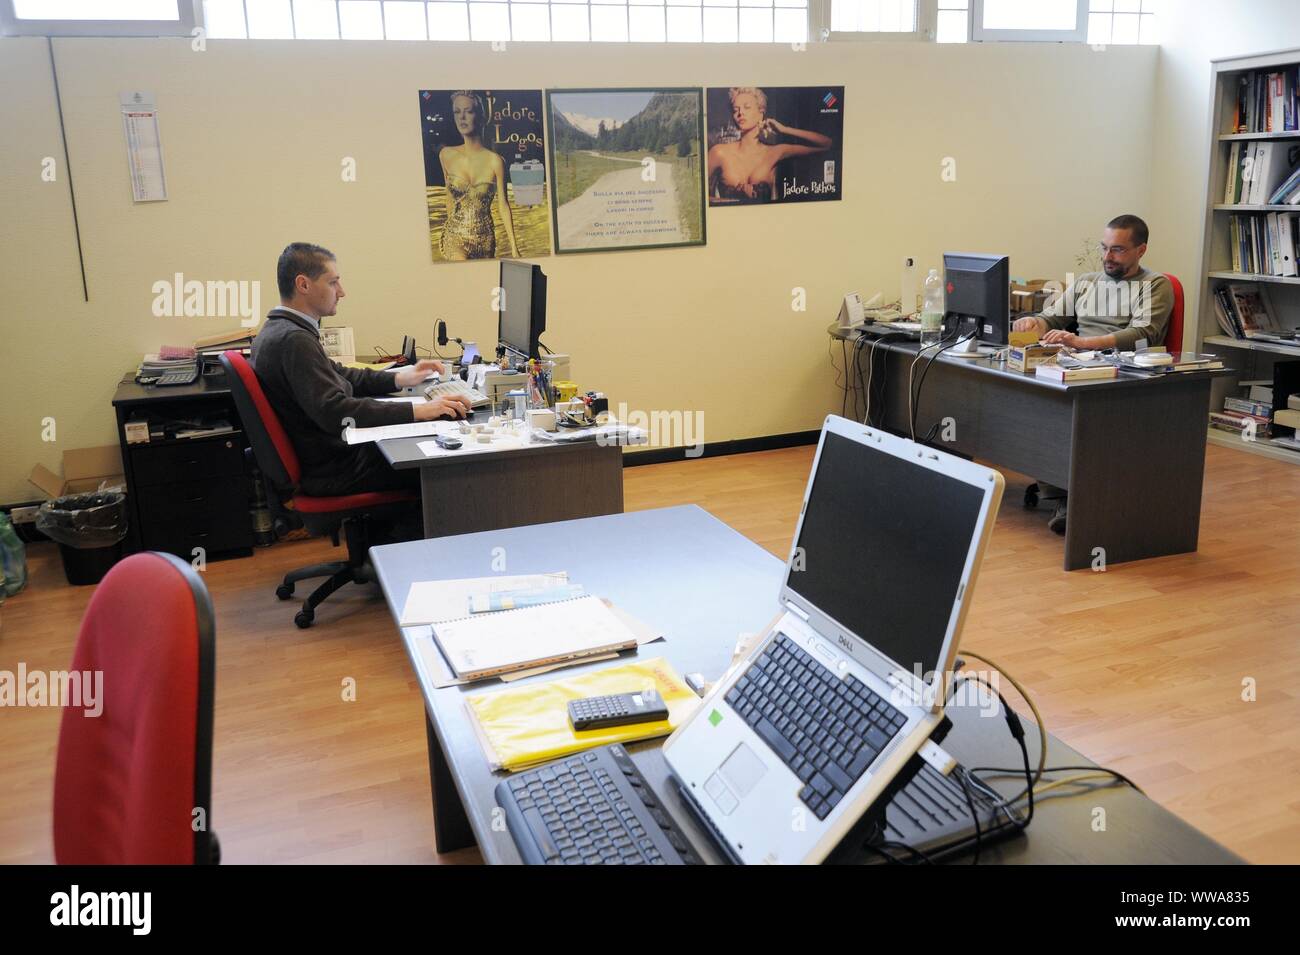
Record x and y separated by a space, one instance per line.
683 571
490 490
1131 450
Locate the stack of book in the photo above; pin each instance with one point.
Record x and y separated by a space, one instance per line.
210 347
1265 244
1244 311
1266 102
1243 415
167 361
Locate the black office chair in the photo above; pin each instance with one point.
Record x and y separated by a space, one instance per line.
357 517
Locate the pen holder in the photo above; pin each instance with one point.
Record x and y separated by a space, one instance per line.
540 391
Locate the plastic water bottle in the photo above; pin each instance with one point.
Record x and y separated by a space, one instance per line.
932 309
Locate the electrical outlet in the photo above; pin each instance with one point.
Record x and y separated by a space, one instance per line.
24 515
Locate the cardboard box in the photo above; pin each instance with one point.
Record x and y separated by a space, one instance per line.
1029 297
1026 358
84 471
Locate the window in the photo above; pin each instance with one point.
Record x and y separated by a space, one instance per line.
96 17
602 21
1050 20
873 16
952 23
1122 21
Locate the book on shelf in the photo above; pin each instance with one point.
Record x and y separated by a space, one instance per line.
1266 101
1239 423
1261 409
1287 418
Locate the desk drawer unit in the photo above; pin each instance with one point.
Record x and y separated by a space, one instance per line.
192 493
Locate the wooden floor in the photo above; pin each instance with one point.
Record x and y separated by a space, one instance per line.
1140 667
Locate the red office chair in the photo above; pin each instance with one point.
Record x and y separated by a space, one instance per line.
1174 334
128 782
353 514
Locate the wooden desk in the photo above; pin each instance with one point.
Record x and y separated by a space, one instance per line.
702 584
1130 450
485 491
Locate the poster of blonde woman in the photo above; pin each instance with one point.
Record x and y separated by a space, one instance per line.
771 144
484 174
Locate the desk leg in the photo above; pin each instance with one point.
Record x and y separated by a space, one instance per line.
1137 466
451 828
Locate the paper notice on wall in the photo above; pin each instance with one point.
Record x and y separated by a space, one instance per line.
143 146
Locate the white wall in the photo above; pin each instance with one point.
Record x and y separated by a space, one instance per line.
254 132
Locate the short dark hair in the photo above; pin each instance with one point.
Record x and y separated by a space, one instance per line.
1136 227
300 258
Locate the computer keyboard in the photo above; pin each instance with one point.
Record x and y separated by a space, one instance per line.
826 729
457 387
591 809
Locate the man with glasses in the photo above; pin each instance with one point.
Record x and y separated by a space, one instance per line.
1125 307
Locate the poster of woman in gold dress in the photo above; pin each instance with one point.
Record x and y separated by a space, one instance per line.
484 175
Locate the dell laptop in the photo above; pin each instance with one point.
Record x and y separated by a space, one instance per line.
795 742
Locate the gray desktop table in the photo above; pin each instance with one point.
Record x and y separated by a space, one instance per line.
1130 450
702 584
485 491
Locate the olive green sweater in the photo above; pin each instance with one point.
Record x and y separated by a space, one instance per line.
1133 310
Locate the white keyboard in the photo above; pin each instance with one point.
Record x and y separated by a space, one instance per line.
457 387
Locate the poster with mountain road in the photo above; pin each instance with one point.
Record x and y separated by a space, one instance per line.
627 168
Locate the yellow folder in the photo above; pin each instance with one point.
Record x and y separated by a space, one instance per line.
523 726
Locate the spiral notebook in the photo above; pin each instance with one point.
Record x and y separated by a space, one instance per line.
489 644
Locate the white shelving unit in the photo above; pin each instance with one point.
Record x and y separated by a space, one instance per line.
1250 359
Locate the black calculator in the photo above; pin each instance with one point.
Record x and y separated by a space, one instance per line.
597 712
178 378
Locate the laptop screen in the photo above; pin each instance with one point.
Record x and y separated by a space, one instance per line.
884 541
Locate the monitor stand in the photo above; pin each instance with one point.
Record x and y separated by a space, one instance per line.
971 349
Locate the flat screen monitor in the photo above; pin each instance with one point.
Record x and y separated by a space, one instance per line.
977 296
521 318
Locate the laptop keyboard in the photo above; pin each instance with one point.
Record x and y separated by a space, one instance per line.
592 809
826 729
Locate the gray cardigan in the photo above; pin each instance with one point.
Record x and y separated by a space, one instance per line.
315 397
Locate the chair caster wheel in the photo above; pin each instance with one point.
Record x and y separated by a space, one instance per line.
303 619
284 591
1031 496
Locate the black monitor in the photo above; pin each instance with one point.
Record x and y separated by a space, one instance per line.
977 298
522 316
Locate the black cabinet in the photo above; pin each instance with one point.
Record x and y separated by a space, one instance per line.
185 493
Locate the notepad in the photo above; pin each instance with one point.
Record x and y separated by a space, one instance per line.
490 644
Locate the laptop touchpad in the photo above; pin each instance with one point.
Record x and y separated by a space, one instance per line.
742 770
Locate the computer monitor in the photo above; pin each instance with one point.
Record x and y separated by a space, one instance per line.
522 316
977 299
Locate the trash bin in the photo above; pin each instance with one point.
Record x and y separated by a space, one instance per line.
89 529
13 560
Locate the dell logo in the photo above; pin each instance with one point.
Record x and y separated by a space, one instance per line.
843 641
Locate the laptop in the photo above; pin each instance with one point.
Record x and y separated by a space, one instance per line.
795 743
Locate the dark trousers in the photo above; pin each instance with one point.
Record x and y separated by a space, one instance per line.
364 469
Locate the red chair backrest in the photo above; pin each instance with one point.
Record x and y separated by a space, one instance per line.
127 782
1174 334
270 442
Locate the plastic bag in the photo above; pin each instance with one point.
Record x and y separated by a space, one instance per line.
13 560
84 521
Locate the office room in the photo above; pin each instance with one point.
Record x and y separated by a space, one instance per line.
465 301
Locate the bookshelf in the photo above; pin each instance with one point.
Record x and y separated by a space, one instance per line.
1249 360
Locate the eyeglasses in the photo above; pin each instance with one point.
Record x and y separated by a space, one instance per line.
1116 249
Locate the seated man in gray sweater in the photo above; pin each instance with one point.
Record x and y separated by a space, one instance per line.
1124 306
316 398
